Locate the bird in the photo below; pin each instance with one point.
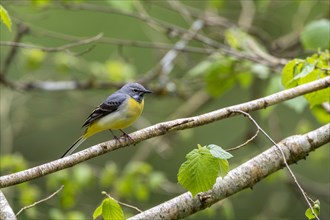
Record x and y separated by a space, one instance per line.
117 112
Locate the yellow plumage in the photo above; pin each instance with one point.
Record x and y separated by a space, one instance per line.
117 112
123 118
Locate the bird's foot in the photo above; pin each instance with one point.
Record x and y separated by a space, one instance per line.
114 136
131 140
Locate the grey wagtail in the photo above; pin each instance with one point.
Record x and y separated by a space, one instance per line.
117 112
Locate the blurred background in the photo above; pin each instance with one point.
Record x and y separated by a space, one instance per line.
235 55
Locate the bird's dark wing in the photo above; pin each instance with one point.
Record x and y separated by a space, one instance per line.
110 105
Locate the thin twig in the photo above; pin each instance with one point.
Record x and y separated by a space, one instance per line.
119 42
176 29
247 14
130 206
166 65
21 31
283 156
65 47
124 204
245 143
40 201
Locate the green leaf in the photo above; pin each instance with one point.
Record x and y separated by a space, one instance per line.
288 72
111 210
5 18
218 152
98 211
321 114
199 172
307 68
201 169
316 35
298 72
223 167
316 208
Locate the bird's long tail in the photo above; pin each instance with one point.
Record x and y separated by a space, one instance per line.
74 145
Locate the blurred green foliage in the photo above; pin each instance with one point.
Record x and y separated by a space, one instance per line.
41 124
5 18
315 35
298 72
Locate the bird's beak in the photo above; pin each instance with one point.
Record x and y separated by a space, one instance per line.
147 91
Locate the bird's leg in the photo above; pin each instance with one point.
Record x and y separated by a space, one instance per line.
127 136
114 136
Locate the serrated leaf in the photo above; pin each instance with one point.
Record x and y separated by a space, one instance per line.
202 167
98 211
316 208
5 18
218 152
199 172
111 210
223 167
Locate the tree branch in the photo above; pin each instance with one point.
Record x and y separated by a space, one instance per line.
168 27
21 31
284 161
160 129
245 176
40 201
165 65
6 212
65 47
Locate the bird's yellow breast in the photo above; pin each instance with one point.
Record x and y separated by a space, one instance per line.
126 114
